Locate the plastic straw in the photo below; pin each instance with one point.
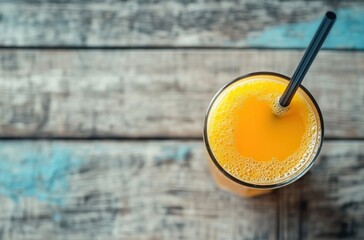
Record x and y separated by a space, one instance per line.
308 58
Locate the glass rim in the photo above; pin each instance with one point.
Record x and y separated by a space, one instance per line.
252 185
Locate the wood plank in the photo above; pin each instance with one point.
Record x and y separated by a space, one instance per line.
138 93
213 23
121 190
162 190
328 203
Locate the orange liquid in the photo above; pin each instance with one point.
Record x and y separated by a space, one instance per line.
257 141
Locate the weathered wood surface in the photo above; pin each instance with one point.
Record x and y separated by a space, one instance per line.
215 23
157 93
328 203
121 190
141 190
163 190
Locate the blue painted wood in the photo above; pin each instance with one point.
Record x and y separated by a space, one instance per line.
347 33
163 190
41 173
180 23
123 190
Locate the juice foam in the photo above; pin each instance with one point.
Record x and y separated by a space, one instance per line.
256 140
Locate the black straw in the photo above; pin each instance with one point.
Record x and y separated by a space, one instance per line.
308 58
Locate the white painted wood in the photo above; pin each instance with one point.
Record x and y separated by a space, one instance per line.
124 190
151 93
163 190
229 23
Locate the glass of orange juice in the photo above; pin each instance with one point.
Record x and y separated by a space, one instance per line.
255 145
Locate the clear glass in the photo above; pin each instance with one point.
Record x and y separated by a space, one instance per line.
226 181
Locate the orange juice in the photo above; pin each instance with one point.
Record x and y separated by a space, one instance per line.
254 143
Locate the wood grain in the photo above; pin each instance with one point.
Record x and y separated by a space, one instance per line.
163 190
157 93
124 190
213 23
328 202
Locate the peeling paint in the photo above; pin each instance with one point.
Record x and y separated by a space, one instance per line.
348 32
27 172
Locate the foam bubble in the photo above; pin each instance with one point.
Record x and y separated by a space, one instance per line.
278 109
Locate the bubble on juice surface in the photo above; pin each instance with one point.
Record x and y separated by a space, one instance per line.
278 109
275 170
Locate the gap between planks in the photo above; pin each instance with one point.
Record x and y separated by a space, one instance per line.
130 139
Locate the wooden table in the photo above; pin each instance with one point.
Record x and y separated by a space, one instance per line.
102 106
